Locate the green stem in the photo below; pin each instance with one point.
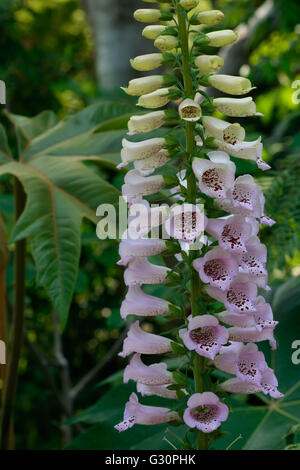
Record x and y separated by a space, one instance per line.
18 324
199 364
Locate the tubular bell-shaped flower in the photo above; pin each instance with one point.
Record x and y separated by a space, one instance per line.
146 122
210 255
216 175
139 341
205 412
135 413
155 374
232 232
204 335
230 85
139 303
217 267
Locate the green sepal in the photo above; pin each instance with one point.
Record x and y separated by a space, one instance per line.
178 348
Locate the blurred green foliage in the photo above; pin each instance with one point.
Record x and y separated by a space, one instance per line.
46 60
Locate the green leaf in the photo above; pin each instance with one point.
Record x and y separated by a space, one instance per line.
60 188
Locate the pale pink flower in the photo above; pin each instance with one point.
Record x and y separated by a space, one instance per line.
232 232
139 303
205 412
135 413
155 374
239 297
218 267
204 335
216 175
141 271
139 341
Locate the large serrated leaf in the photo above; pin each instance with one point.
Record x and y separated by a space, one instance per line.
60 188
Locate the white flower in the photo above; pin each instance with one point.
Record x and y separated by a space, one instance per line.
147 62
236 107
146 122
209 63
156 99
189 110
141 86
231 84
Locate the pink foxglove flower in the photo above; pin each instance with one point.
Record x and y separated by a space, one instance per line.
216 175
139 341
205 412
218 267
139 303
253 335
239 297
268 385
246 198
254 261
246 362
186 223
262 316
141 271
135 413
232 232
158 390
155 374
204 335
129 249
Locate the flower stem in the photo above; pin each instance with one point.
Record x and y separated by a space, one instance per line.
18 324
199 364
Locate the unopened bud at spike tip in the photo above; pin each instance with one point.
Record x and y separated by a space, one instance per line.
144 85
209 63
147 15
153 31
222 38
147 62
156 99
146 122
189 3
166 43
210 18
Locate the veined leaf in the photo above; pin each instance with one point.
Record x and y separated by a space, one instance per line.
60 188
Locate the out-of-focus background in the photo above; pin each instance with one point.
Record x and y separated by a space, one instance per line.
64 55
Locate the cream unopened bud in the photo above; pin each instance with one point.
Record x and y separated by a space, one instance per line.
141 86
146 122
236 107
189 3
147 62
222 38
156 99
222 130
209 63
147 15
210 17
153 31
230 84
166 43
189 110
132 151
